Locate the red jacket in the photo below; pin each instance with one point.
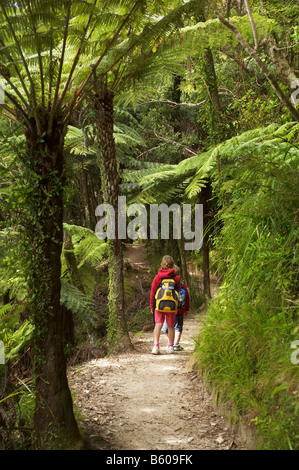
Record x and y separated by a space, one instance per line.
183 310
162 274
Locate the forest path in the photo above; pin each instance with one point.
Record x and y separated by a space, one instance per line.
137 401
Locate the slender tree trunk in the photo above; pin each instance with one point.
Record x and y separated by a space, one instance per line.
176 111
206 192
184 273
204 197
118 335
54 422
85 197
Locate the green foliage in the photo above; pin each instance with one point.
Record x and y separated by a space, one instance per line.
79 304
190 174
137 321
167 151
88 248
14 332
212 33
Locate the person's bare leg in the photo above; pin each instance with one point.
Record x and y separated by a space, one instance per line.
178 336
157 332
171 334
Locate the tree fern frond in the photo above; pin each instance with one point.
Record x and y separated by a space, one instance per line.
214 34
88 248
78 303
124 134
191 173
74 141
150 170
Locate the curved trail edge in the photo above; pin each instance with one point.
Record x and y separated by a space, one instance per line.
137 401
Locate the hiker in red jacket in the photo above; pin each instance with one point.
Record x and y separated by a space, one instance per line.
166 271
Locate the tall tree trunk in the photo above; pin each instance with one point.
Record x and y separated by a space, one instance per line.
118 335
83 178
206 192
184 273
54 422
211 79
176 97
204 197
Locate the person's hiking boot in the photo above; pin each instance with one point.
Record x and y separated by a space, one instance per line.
169 349
156 350
177 347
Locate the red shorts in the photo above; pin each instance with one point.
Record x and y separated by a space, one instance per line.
160 317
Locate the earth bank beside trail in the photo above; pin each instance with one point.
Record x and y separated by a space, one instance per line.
137 401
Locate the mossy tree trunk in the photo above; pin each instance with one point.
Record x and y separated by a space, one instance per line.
54 422
118 336
204 197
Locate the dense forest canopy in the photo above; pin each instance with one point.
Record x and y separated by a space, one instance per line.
163 102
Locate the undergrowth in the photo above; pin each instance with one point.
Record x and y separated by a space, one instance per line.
244 348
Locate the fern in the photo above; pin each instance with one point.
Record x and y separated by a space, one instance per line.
166 183
88 247
215 35
74 142
16 335
79 304
18 341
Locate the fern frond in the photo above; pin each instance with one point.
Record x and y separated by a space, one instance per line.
88 248
78 303
191 173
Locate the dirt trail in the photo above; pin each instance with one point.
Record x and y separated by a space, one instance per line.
137 401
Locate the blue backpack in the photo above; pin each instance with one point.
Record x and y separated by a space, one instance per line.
182 298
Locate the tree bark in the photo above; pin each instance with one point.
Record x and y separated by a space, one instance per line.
204 197
211 78
253 26
118 336
184 273
83 178
54 422
176 97
278 56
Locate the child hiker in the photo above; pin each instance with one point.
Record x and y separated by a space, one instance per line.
184 305
164 301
